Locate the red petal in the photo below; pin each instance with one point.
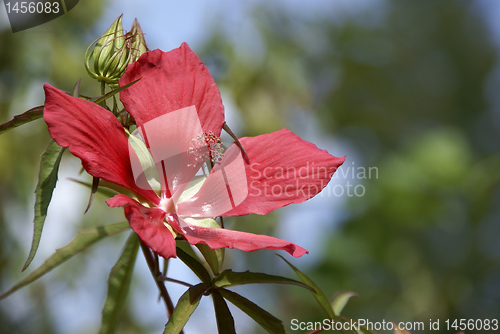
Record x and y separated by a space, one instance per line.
148 224
169 138
223 190
283 169
220 237
171 81
94 135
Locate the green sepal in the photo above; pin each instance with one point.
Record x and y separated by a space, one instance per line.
316 291
139 46
186 305
225 321
214 257
106 48
82 241
148 164
194 265
47 179
265 319
192 188
119 285
26 117
340 299
230 278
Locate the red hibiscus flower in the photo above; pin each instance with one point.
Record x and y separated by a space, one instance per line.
179 115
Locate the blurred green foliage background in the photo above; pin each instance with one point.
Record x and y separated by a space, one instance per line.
406 86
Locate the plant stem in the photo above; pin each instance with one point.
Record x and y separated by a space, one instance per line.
103 91
156 273
173 280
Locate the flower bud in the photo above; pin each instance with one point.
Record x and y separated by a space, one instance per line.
113 51
138 41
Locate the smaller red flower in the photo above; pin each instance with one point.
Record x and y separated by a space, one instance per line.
179 115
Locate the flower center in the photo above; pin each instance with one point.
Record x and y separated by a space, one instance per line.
167 205
207 146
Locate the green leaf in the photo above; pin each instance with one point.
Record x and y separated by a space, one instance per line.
186 305
265 319
113 92
194 265
225 321
317 293
26 117
340 299
118 285
82 241
230 278
47 179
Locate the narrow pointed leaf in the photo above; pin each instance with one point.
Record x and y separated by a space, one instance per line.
340 300
34 113
47 179
225 321
230 278
265 319
106 188
113 92
82 241
118 285
93 191
186 305
26 117
317 293
76 88
194 265
83 97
